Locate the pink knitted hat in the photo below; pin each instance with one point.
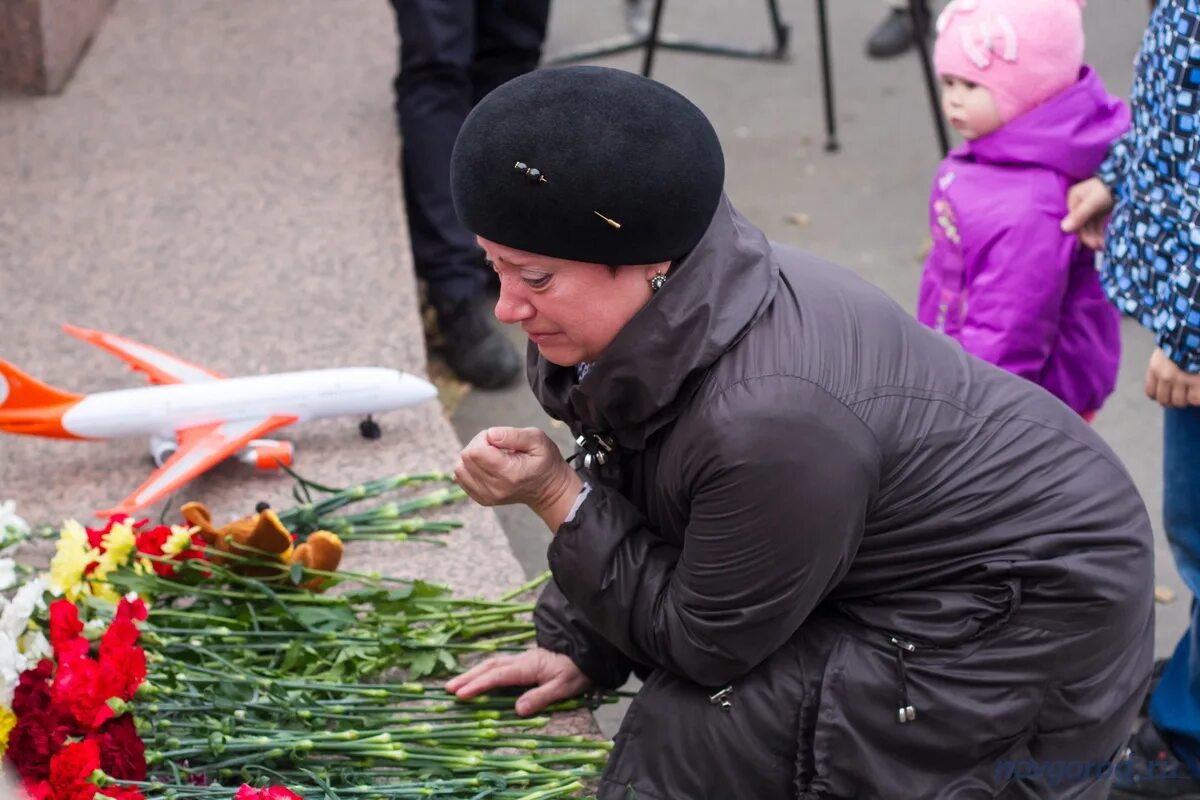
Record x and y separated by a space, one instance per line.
1023 51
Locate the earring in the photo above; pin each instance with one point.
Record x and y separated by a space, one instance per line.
657 281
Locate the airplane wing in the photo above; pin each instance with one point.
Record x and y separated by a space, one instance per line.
158 366
200 448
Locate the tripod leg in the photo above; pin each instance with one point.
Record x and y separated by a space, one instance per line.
831 142
778 29
652 41
920 20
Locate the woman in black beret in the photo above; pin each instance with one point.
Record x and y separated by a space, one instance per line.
848 559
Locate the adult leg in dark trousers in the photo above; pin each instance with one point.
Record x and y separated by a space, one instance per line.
895 33
452 53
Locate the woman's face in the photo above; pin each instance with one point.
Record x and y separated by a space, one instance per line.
571 310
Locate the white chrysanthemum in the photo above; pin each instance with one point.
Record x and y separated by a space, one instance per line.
15 618
8 573
12 664
9 518
35 646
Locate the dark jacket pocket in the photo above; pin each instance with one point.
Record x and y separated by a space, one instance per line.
895 719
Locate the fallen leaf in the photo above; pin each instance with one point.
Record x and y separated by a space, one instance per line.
798 218
1163 594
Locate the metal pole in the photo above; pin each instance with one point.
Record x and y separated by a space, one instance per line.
831 142
920 20
652 41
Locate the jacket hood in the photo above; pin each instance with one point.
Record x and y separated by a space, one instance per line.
1069 133
711 297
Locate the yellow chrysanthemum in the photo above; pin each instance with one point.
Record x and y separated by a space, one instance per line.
71 557
8 721
105 592
179 540
119 543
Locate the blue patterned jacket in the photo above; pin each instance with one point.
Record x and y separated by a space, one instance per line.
1151 268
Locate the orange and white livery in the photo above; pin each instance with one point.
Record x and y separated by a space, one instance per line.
194 417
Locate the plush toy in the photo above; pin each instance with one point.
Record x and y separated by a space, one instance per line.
262 535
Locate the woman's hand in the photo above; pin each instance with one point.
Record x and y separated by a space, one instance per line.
553 676
1169 385
502 466
1088 204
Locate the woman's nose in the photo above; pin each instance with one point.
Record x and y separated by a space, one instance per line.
511 307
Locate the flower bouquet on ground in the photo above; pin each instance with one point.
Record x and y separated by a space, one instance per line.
194 662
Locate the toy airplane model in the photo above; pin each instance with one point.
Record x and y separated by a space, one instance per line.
196 418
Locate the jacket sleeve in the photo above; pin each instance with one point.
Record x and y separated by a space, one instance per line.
562 629
1016 281
1179 338
778 476
1115 167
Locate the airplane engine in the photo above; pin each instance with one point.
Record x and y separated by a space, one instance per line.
162 449
267 454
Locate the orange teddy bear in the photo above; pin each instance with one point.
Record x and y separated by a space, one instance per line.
262 535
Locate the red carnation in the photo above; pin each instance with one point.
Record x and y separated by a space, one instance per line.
37 736
70 769
247 792
122 754
33 689
134 611
39 791
121 634
120 793
29 745
65 628
79 690
122 671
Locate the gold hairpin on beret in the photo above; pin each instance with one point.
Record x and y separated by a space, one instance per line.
610 221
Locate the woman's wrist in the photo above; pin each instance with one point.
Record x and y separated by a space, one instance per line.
559 499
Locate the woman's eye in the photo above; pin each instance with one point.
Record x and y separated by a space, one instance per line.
536 281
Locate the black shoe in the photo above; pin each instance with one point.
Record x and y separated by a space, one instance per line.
474 348
893 36
1150 769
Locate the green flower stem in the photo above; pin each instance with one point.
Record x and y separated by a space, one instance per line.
526 587
507 610
495 627
344 497
553 791
490 645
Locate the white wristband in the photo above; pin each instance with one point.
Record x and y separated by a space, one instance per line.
583 493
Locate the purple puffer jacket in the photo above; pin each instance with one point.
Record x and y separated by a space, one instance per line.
1002 278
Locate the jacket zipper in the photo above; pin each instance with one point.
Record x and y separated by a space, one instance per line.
906 712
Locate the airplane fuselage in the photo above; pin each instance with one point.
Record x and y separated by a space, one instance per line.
308 395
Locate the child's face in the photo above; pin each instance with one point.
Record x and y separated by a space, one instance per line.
969 107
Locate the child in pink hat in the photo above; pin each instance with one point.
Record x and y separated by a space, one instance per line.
1002 277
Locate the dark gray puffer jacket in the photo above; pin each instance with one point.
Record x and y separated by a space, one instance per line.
849 559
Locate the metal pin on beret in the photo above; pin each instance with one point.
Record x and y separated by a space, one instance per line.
636 169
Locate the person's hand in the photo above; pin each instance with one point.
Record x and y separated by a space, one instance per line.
553 676
502 466
1169 385
1088 204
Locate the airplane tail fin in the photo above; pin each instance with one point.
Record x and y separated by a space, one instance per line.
21 391
30 407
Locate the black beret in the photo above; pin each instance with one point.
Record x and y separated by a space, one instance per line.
588 164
